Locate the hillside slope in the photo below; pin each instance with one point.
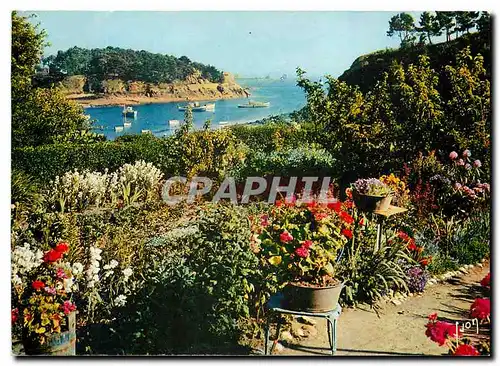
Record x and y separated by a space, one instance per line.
367 69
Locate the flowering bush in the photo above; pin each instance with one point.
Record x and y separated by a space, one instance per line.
302 240
371 186
43 286
76 191
398 188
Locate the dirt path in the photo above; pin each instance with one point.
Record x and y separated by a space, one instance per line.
399 330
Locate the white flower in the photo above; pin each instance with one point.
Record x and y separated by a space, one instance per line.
113 263
68 284
120 300
127 272
77 268
108 273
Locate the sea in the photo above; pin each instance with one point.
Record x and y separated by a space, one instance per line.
283 95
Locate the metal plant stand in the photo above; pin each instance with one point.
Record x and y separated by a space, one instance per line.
275 304
381 216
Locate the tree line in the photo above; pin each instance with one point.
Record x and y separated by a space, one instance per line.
435 24
100 64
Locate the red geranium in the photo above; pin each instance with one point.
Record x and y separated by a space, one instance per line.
346 217
425 261
466 350
307 244
439 331
336 206
312 205
302 252
285 237
403 235
52 256
37 285
412 246
480 308
485 282
347 233
62 247
348 204
68 307
433 317
14 314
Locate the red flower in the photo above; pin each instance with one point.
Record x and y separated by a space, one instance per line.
336 206
37 285
68 307
285 237
320 216
466 350
433 317
347 233
302 252
346 217
62 247
279 203
485 282
362 221
14 314
425 261
403 235
348 204
439 331
412 246
307 244
312 205
52 256
264 220
480 308
348 192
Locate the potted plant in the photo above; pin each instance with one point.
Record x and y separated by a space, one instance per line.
301 242
43 309
371 194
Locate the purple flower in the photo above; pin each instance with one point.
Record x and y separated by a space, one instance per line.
453 155
457 186
466 154
477 163
461 162
468 166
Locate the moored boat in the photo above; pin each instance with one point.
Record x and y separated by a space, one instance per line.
252 104
127 124
196 107
174 122
118 128
129 112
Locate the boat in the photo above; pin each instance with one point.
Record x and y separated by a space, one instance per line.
174 122
252 104
127 124
223 123
129 112
118 128
196 107
146 131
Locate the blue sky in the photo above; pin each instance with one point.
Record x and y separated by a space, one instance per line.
247 43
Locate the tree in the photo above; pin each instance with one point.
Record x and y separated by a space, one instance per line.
402 24
465 20
483 23
446 21
429 25
38 115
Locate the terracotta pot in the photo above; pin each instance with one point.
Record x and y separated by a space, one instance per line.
312 299
58 344
369 203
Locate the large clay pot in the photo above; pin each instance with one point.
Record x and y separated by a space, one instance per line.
369 203
312 299
58 344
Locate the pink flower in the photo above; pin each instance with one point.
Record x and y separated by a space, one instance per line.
285 237
453 155
477 163
68 307
307 244
466 154
61 273
264 220
457 185
302 252
50 290
468 166
461 162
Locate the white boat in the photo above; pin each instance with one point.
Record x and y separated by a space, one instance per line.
118 128
196 107
174 122
223 123
127 124
146 131
252 104
129 112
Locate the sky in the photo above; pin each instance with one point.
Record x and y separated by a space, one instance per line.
251 44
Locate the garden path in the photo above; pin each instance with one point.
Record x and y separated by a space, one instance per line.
400 330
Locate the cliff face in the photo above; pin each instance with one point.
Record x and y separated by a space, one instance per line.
195 87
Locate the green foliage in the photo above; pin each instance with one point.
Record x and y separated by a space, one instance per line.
303 161
429 25
101 64
402 25
472 239
24 189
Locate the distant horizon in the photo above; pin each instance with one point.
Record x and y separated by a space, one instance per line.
249 44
